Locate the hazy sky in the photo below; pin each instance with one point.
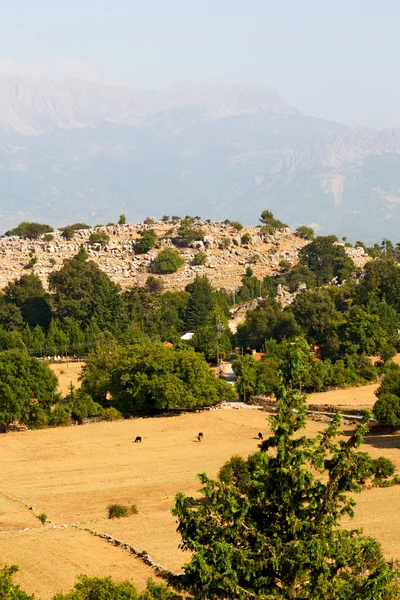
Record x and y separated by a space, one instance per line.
333 59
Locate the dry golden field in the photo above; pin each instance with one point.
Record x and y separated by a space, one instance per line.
73 473
67 373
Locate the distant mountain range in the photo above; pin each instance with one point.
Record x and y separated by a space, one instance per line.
72 151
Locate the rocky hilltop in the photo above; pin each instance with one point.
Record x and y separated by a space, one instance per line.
227 255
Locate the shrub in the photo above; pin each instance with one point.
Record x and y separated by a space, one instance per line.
111 414
61 416
68 232
200 258
31 263
307 233
187 236
30 230
168 261
52 261
116 511
147 242
148 221
122 220
165 219
42 518
270 224
236 225
285 265
246 238
99 238
175 219
48 237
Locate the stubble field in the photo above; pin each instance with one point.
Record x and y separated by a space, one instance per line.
73 473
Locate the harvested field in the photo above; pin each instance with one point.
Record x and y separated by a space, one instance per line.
67 373
362 397
73 473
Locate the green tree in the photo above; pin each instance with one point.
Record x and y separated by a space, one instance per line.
122 220
326 259
307 233
168 261
387 410
200 258
270 224
300 274
24 383
99 237
146 243
201 303
270 526
29 295
30 230
83 292
151 376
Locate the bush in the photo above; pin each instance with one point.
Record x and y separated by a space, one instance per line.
236 225
61 416
270 224
168 261
307 233
99 238
147 242
31 263
116 511
48 237
111 414
200 258
68 232
285 265
246 238
42 518
30 230
148 221
122 220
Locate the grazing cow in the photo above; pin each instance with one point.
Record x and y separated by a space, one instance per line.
200 435
138 439
260 435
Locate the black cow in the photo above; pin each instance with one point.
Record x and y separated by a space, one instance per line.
200 435
260 435
138 439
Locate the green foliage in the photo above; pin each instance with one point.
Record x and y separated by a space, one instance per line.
246 238
28 294
48 237
68 232
154 285
122 220
60 416
201 303
200 258
42 518
326 259
236 225
255 377
168 261
150 376
31 263
116 511
300 274
30 230
270 224
187 235
83 292
8 589
146 243
270 526
24 381
285 265
99 237
165 219
148 221
307 233
104 588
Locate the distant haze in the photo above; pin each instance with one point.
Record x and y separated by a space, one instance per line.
337 61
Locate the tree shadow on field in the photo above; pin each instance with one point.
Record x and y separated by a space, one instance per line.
380 436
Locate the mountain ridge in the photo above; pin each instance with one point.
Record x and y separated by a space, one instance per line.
88 152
